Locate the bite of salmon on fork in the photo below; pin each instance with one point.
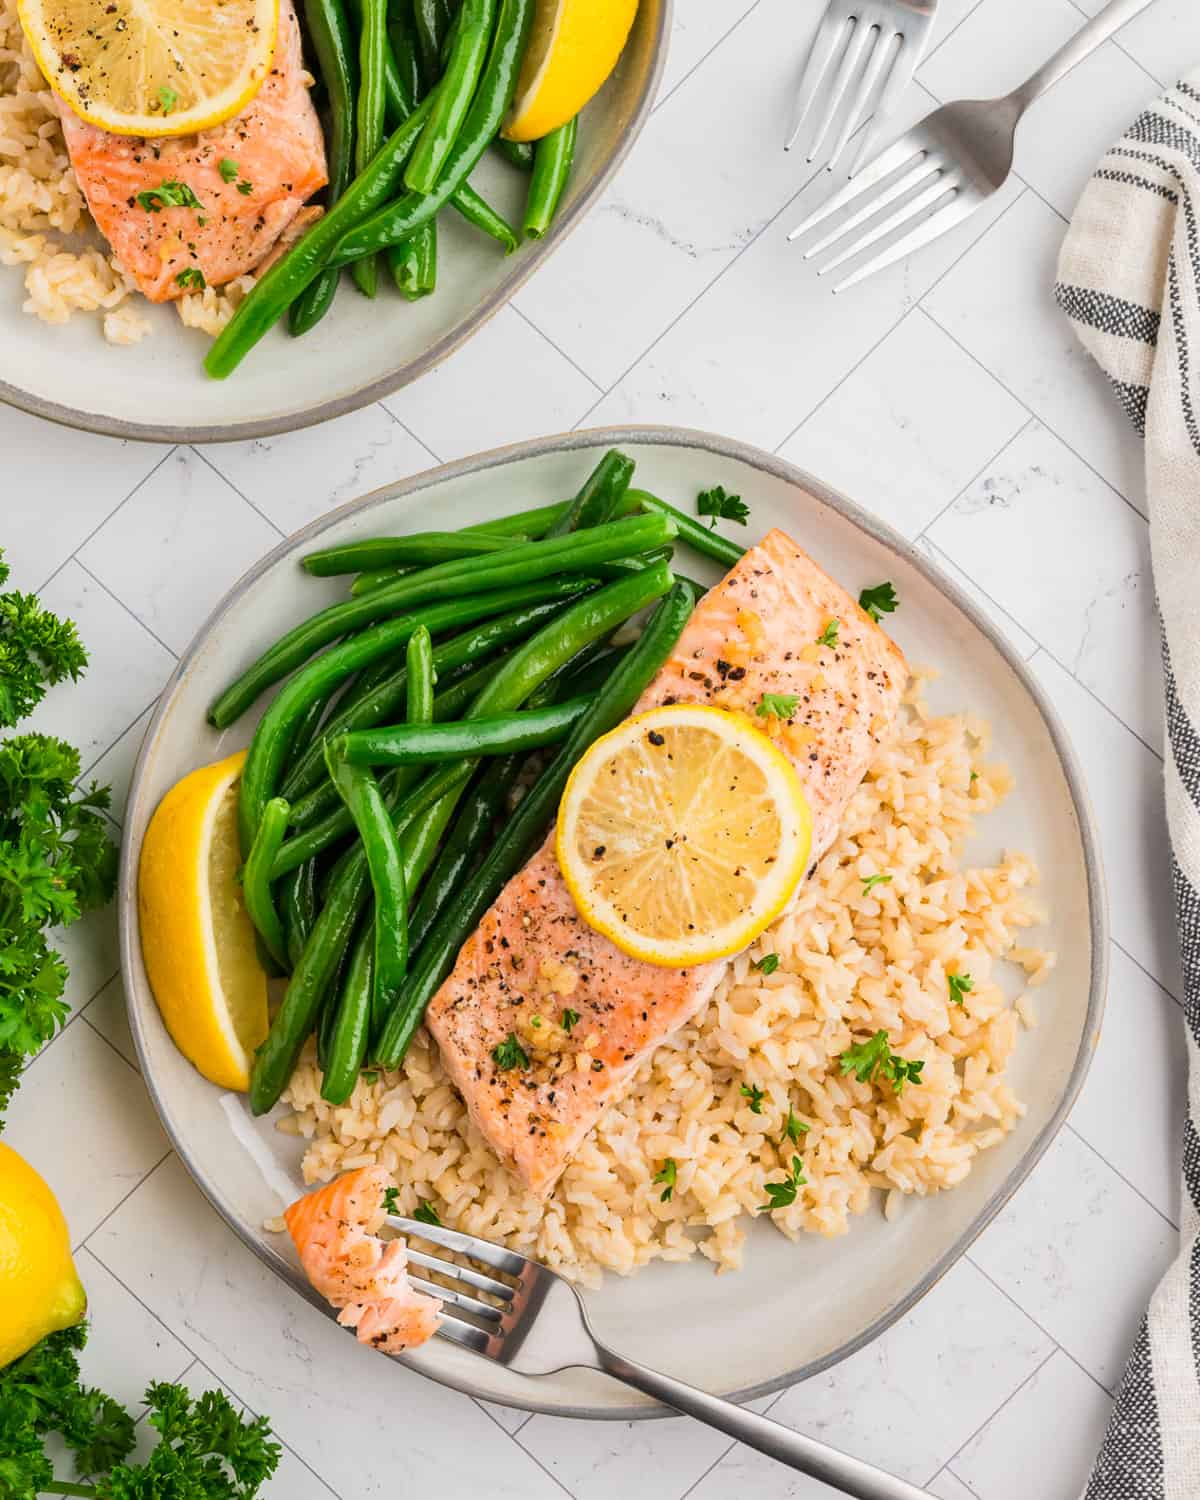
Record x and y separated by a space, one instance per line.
186 212
776 626
336 1233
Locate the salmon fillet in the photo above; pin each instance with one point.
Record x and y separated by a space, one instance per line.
335 1230
274 158
532 954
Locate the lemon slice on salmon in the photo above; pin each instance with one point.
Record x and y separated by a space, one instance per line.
197 937
683 834
153 67
573 47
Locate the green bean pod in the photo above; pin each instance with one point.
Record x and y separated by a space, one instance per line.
330 37
350 1029
469 649
369 114
421 547
599 496
463 581
521 832
413 262
278 288
256 878
428 28
472 35
552 158
298 901
390 224
421 675
698 537
409 744
519 154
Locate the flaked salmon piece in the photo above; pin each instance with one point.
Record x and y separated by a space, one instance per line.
532 955
336 1232
249 178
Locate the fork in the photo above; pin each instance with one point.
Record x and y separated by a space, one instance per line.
540 1326
961 153
862 34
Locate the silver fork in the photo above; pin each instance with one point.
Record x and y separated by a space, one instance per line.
962 153
540 1326
861 37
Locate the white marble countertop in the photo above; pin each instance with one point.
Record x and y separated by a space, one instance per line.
949 397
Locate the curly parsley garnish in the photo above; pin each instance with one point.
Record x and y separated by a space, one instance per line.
721 506
777 705
510 1053
783 1194
666 1174
169 194
229 170
829 636
168 98
755 1095
425 1213
875 1059
391 1197
959 985
768 963
569 1020
878 601
192 278
245 188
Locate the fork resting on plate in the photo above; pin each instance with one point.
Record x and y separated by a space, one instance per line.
536 1324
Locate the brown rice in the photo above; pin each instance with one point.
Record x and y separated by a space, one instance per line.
852 963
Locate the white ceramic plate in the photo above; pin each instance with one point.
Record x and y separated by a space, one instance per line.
795 1308
158 390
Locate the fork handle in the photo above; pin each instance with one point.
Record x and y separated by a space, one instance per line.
849 1475
1081 45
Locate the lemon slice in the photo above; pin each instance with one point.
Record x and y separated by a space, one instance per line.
573 47
197 938
683 834
153 67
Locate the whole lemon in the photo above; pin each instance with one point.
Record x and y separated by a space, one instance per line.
39 1290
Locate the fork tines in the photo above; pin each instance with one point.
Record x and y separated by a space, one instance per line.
912 174
462 1330
861 38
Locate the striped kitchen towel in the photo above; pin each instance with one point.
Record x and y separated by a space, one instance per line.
1129 279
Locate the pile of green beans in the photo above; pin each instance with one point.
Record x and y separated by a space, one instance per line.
375 801
441 75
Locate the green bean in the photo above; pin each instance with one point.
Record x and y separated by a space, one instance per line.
413 262
427 26
273 737
421 547
299 902
701 538
372 55
519 154
408 62
599 496
535 523
406 745
473 33
467 576
552 158
256 877
621 567
587 679
311 978
476 818
330 37
350 1030
527 825
449 38
279 287
467 649
381 845
389 225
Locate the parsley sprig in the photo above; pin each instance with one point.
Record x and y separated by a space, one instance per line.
667 1174
721 506
169 194
794 1128
755 1095
829 636
777 705
425 1213
783 1194
767 964
878 601
204 1449
510 1054
959 985
874 1059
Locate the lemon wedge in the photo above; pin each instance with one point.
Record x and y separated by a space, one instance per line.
197 938
40 1291
153 67
683 834
573 47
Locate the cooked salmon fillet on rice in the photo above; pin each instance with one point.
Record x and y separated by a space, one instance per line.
211 205
532 955
335 1230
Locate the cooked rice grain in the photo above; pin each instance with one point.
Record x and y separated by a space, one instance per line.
851 964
